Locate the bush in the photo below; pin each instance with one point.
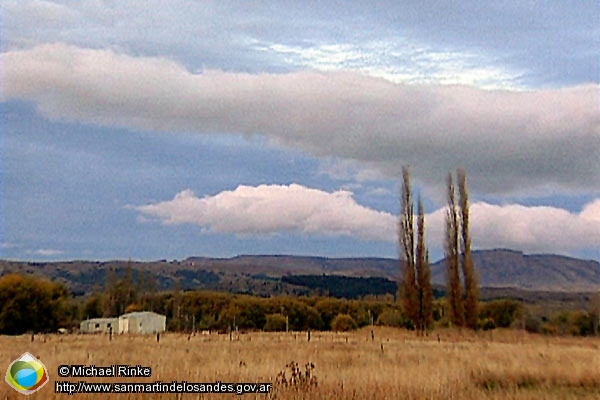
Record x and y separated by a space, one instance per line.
548 329
533 324
487 324
275 323
391 317
502 312
581 323
329 308
33 304
343 323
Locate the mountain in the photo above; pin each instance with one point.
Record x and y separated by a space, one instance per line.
509 268
278 265
262 274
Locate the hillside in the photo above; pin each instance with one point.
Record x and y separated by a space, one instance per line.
508 268
262 275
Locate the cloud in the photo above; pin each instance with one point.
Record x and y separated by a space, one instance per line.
509 142
401 60
270 209
40 13
47 252
530 229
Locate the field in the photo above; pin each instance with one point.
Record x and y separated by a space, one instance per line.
385 364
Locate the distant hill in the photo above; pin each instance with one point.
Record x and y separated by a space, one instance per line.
278 265
509 268
262 274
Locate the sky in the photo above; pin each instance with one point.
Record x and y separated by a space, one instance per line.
163 130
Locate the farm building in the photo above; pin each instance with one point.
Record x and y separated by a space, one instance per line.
142 322
99 325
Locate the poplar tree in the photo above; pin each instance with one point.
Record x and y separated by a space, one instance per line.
406 237
452 250
423 273
470 278
416 290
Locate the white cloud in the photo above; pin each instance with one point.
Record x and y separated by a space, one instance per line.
269 209
47 252
530 229
401 60
508 141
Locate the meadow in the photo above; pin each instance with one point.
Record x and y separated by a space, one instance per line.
371 363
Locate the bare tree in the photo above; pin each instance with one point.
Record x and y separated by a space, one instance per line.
470 278
406 237
452 250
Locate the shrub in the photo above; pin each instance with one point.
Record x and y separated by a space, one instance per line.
487 324
391 317
533 324
343 323
329 308
581 323
502 312
275 323
32 304
548 329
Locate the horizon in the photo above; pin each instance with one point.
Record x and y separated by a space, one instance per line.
282 255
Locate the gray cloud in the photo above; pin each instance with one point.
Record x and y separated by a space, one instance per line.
556 43
509 142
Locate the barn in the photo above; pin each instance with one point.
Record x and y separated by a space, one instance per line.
142 322
99 325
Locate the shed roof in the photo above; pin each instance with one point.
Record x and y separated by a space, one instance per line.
136 314
100 320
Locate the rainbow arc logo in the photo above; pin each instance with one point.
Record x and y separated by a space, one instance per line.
26 374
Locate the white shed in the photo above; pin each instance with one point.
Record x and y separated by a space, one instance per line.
142 322
99 325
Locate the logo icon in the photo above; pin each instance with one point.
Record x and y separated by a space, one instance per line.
27 374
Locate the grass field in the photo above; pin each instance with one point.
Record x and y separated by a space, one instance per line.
393 364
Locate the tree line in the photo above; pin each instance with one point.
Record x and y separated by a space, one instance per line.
32 304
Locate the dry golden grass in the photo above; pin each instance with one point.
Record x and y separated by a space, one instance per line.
395 365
